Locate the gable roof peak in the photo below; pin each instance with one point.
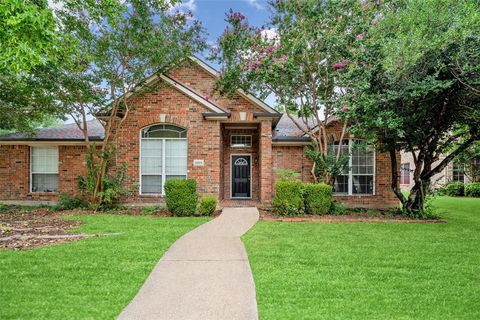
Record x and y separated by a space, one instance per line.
254 100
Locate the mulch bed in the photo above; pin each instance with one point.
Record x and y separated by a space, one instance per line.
26 229
382 216
40 227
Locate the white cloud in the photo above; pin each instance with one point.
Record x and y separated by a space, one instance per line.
255 3
188 5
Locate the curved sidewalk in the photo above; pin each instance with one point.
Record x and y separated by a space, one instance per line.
204 275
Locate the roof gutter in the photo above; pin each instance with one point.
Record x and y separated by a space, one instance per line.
291 141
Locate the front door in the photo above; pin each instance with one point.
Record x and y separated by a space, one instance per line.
241 176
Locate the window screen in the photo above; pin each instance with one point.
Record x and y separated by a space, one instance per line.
44 169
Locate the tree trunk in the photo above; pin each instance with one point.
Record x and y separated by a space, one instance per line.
415 203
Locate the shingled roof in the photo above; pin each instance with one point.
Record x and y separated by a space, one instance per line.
67 132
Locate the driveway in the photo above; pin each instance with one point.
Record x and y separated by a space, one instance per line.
204 275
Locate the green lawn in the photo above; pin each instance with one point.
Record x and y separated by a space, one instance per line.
87 279
370 270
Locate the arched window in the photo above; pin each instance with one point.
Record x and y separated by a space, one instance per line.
163 156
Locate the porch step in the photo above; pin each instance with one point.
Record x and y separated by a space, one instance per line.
239 203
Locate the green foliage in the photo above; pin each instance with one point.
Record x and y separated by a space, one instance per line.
67 202
470 159
298 56
27 35
317 197
287 174
113 185
337 208
149 210
288 199
327 162
181 196
116 45
455 189
472 189
416 85
207 205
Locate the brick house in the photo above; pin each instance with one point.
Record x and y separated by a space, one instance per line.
230 146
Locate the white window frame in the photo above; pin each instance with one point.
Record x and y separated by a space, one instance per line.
163 174
241 146
351 174
402 173
32 173
457 172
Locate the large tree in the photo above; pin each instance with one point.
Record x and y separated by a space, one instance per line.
116 45
27 35
29 50
298 57
417 83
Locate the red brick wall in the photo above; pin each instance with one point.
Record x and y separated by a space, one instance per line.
15 172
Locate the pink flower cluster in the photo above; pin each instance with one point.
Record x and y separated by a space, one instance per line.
360 36
237 16
340 65
344 108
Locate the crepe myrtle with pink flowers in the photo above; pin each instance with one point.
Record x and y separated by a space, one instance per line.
299 56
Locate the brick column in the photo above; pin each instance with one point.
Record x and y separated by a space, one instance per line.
265 163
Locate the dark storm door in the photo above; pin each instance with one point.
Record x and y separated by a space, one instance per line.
241 177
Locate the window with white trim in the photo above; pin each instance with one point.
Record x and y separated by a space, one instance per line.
43 169
405 173
359 177
163 156
458 174
241 141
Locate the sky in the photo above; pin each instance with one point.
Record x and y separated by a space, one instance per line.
212 15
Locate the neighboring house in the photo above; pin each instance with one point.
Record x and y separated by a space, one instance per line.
452 172
231 147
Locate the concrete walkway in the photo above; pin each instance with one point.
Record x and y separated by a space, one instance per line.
204 275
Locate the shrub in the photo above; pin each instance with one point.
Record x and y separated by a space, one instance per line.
473 189
149 210
337 208
318 198
287 174
207 206
455 189
288 200
67 202
181 196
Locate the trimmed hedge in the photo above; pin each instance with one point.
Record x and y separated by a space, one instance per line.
318 198
455 189
288 200
207 206
181 196
472 189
